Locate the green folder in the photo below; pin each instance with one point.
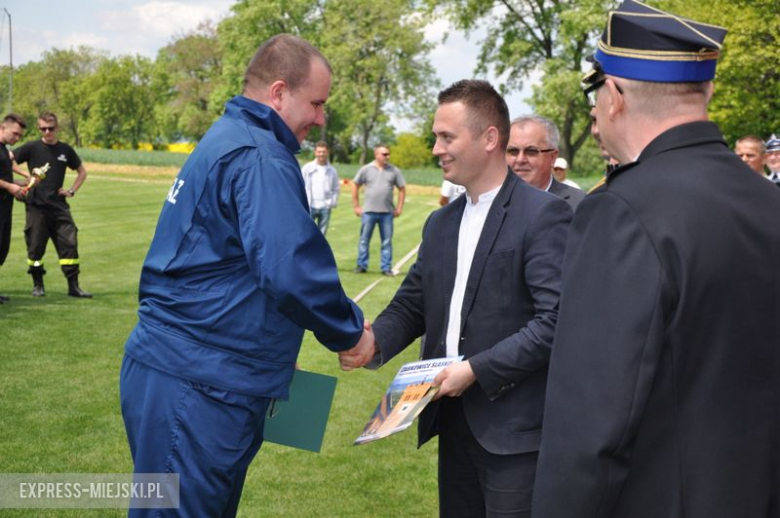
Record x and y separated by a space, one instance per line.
300 421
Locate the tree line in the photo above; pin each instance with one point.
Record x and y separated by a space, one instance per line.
380 59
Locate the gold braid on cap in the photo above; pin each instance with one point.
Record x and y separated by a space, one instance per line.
703 54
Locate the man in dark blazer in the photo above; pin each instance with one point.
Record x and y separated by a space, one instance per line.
485 285
531 153
664 385
567 193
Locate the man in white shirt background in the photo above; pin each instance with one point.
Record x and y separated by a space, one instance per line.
560 168
450 192
322 186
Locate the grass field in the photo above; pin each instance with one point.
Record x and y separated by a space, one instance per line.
427 176
60 359
418 176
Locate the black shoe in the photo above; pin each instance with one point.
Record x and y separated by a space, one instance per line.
4 298
38 291
388 273
75 291
359 269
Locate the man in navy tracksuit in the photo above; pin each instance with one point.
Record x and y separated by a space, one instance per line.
236 271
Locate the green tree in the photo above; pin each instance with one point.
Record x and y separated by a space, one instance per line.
747 84
186 71
58 83
122 100
29 92
253 22
526 37
377 51
411 150
378 64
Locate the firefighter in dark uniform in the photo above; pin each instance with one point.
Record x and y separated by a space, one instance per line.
11 130
664 385
48 214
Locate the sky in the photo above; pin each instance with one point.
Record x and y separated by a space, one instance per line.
144 26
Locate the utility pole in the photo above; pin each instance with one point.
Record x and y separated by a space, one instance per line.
11 63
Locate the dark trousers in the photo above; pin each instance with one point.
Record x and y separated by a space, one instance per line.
206 435
55 223
474 482
6 212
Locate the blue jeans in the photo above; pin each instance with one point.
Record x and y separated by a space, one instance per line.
385 221
321 217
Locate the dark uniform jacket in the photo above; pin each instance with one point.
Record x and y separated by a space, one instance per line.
509 311
567 193
664 384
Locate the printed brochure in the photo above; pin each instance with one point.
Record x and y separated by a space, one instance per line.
409 392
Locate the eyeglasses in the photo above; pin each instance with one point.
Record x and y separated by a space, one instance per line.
46 129
385 154
530 152
590 92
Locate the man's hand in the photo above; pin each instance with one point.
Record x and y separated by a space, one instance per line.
362 353
454 380
358 211
396 212
16 191
64 192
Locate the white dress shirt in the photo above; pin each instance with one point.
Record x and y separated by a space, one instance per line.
474 216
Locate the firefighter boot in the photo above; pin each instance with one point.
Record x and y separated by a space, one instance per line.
37 273
74 290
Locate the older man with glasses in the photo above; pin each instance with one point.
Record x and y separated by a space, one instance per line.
531 153
48 213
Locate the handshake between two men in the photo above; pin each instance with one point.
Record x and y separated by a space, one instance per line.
452 381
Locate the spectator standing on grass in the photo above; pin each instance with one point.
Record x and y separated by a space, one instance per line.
11 130
236 271
322 186
48 213
380 178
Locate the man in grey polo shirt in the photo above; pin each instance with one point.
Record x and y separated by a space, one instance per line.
379 177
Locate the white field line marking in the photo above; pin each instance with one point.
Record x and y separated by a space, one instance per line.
395 270
405 259
128 180
367 290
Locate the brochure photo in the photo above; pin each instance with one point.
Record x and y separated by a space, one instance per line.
409 392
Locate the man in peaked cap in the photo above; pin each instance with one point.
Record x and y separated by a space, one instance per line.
664 384
773 159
